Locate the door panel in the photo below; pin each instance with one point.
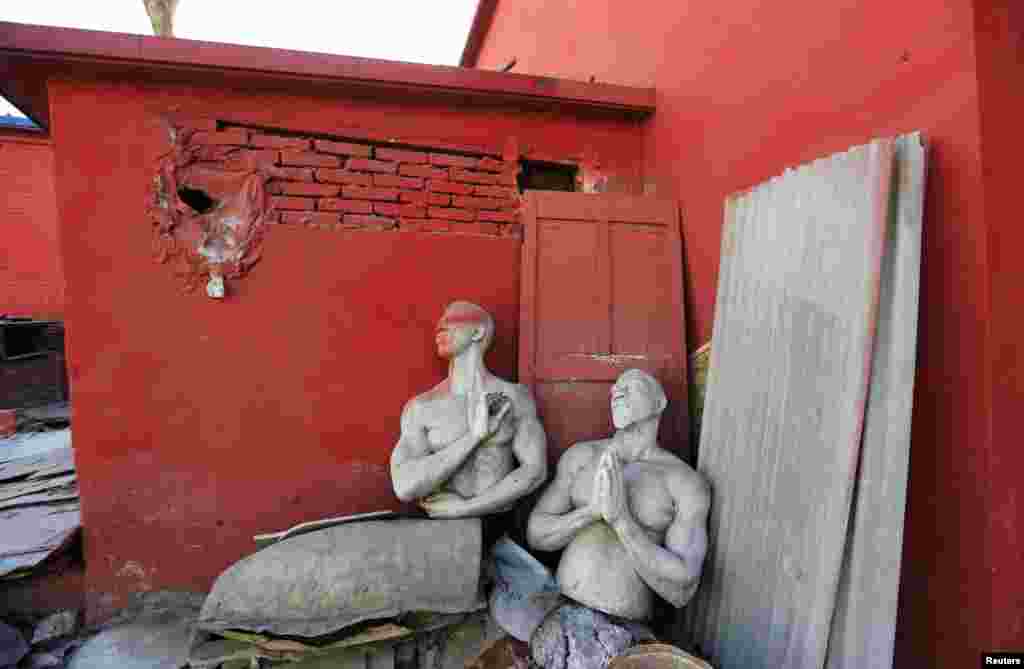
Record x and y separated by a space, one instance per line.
602 293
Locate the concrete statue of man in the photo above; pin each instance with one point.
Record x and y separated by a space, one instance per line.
631 516
471 445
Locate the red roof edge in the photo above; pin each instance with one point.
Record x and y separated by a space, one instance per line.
31 54
478 32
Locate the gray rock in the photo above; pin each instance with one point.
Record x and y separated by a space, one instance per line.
577 637
140 645
44 660
319 583
12 646
57 626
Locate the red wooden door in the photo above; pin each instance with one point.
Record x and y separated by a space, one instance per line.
602 291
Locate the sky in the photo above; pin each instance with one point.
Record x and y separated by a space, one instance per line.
419 31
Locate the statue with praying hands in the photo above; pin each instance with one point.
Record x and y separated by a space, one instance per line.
630 515
472 445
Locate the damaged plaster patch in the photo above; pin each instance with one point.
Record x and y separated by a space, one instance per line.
208 221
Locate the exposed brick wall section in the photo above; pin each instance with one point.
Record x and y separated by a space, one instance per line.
352 185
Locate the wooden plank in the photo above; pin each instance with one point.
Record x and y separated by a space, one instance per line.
791 352
864 625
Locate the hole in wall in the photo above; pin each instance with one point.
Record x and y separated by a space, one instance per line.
197 199
540 175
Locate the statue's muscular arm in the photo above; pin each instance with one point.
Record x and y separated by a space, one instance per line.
415 472
672 570
553 522
530 449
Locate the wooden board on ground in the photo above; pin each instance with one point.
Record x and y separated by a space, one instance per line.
864 625
790 361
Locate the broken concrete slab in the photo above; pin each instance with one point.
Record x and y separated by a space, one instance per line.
141 645
316 584
57 626
31 534
13 646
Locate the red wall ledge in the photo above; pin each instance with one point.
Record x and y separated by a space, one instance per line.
28 54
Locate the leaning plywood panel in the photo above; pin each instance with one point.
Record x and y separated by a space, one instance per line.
791 351
864 624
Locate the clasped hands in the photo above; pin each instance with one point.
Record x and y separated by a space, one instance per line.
482 426
608 498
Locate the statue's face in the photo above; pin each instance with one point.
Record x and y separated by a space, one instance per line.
632 402
456 331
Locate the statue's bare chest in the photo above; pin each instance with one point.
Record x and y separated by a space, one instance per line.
648 497
444 420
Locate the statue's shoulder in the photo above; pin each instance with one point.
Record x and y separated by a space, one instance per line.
684 481
421 402
582 453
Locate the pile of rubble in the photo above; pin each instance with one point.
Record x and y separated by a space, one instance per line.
48 644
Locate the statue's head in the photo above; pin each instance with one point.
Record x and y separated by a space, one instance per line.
636 396
463 325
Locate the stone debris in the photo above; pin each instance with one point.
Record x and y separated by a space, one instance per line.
54 627
504 653
576 637
524 589
13 646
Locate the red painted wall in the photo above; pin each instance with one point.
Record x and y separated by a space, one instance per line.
31 281
199 424
1000 49
749 87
